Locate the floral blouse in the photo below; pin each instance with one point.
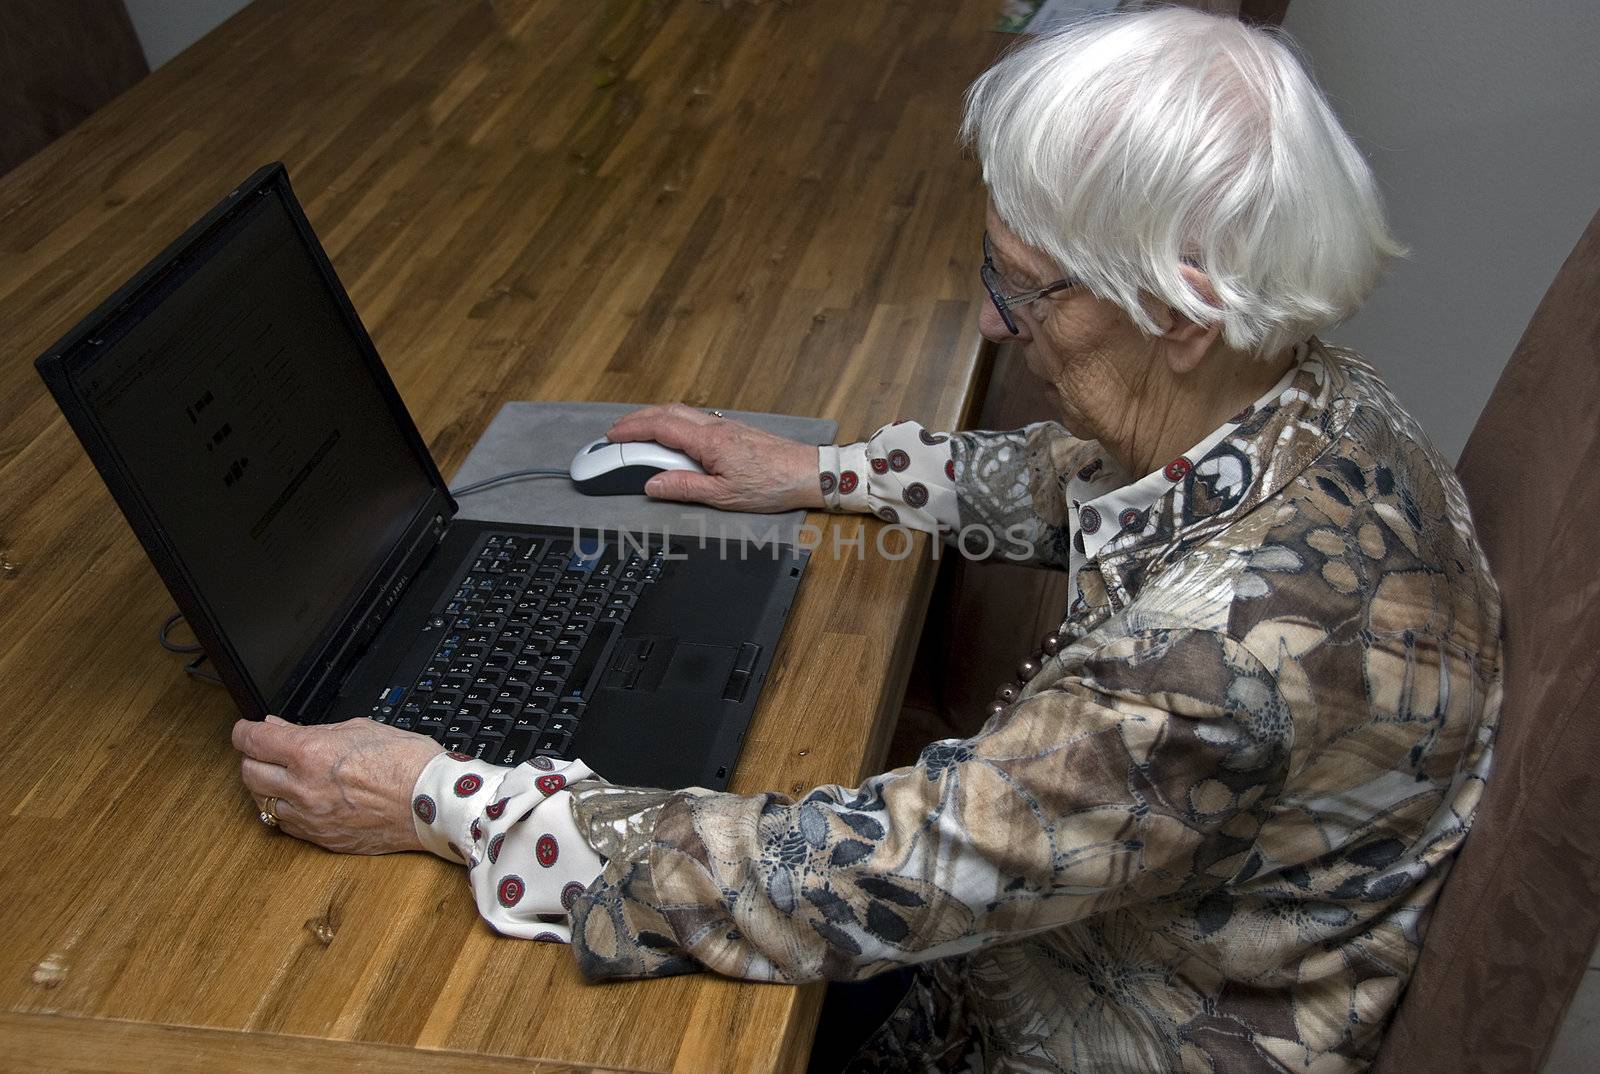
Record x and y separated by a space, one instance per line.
1204 836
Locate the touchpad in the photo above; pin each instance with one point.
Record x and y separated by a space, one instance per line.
699 668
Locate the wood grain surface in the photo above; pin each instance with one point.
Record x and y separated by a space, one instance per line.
760 206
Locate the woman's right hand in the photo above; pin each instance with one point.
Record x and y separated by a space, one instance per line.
747 469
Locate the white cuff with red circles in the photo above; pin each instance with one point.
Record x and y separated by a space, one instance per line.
842 470
450 794
526 860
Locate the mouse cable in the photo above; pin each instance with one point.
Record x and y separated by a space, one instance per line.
476 486
164 636
193 668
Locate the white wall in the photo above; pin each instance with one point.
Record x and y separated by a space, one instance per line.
1481 119
167 27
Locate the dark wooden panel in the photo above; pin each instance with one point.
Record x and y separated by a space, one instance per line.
59 61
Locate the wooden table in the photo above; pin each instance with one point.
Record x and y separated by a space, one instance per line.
755 206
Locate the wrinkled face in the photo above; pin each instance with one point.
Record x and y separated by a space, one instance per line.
1057 330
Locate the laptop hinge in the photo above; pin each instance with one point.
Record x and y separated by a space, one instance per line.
343 660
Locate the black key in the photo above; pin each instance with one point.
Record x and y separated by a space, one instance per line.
513 691
456 681
622 600
522 676
513 634
426 684
463 668
482 746
402 721
462 726
480 692
439 711
568 709
552 744
471 709
488 677
456 743
528 718
509 709
616 615
560 725
551 682
494 726
560 662
498 661
567 588
472 637
514 749
497 607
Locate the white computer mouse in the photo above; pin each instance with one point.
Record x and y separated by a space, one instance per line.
606 469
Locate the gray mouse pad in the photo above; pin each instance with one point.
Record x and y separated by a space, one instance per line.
528 435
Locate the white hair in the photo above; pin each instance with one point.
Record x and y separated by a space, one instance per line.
1128 144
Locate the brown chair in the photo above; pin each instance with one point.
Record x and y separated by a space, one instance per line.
1518 918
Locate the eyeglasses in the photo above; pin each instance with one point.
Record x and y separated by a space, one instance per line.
1006 303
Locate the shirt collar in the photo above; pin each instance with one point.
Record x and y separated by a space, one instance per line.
1150 521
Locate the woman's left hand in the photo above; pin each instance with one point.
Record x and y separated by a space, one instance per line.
344 786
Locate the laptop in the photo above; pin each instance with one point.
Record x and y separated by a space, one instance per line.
238 412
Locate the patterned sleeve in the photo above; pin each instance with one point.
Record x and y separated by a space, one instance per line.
1142 772
997 494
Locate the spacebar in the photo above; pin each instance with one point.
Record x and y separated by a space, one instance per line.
585 668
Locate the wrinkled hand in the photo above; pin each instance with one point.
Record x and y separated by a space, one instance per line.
344 786
747 469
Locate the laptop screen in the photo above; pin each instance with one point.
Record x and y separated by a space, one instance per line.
242 408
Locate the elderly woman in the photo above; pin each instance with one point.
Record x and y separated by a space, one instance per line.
1204 829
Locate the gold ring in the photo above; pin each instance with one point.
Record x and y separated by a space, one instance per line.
269 814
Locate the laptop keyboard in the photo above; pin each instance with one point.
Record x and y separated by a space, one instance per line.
520 642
